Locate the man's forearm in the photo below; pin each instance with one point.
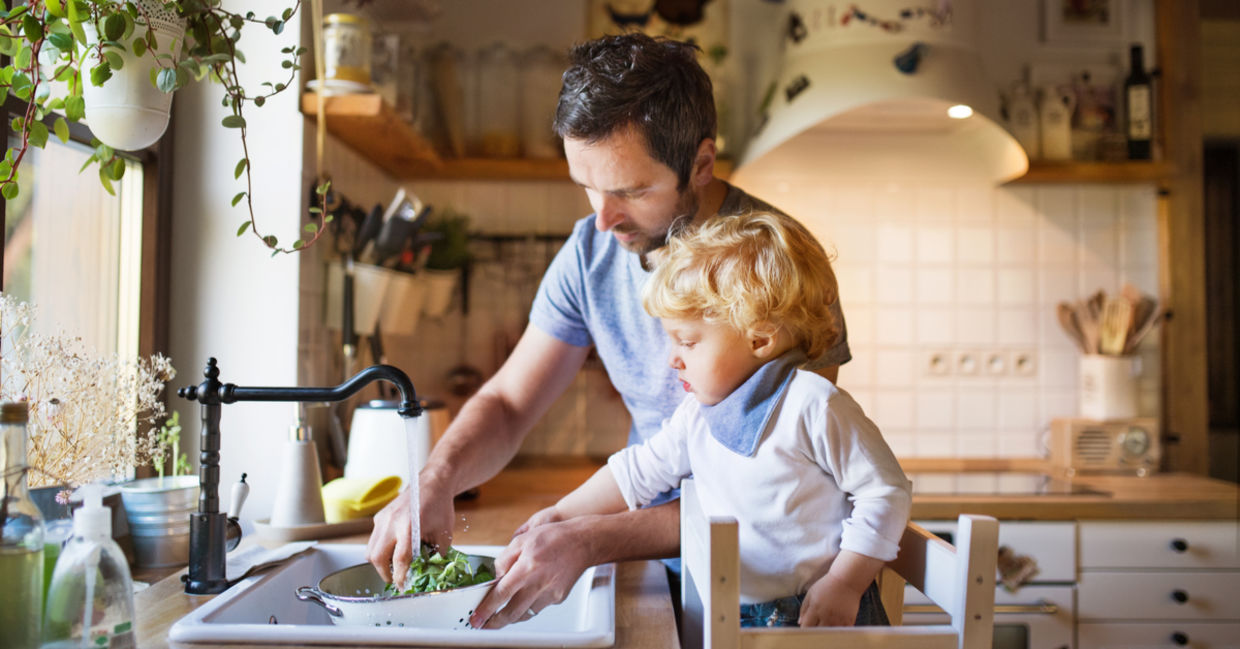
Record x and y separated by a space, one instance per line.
480 441
650 533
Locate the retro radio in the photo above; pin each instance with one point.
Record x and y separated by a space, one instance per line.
1119 446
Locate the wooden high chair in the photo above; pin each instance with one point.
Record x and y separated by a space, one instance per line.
960 580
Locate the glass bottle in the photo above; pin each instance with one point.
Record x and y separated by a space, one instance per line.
21 547
1138 107
90 599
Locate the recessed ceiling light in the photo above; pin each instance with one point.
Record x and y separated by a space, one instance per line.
959 111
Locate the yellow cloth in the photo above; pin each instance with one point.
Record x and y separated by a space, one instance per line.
348 498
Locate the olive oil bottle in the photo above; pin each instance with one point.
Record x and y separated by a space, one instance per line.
21 545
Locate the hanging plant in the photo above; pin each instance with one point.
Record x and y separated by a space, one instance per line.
60 51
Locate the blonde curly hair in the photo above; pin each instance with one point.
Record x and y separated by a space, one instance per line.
757 272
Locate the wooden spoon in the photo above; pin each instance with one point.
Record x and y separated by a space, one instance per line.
1067 320
1116 320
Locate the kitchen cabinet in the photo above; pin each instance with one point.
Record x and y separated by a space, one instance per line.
1163 583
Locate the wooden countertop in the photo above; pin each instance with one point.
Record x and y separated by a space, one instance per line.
643 606
644 618
1161 496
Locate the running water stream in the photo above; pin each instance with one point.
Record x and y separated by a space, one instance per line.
415 467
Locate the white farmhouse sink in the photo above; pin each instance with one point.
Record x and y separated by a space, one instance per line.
264 610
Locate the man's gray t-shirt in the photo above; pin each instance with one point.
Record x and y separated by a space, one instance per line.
591 295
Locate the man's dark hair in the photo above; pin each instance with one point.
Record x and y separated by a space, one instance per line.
654 85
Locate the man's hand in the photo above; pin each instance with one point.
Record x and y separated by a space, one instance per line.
537 569
830 602
391 545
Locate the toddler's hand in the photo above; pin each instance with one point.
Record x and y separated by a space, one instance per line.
830 602
548 515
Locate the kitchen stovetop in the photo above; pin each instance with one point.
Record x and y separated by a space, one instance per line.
998 483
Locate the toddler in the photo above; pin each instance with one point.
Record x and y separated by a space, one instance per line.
820 500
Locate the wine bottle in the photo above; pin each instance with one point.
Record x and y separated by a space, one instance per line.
1138 107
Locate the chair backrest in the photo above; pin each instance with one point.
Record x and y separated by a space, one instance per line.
960 580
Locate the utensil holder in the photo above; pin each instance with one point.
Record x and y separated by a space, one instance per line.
1108 386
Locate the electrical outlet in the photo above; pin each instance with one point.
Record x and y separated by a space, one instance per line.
1024 363
967 363
996 363
938 363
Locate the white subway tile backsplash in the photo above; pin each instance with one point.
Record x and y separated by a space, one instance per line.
1014 207
1023 445
859 318
894 284
895 325
894 409
858 372
895 243
935 286
975 204
895 368
1099 245
1057 403
1017 412
934 203
935 445
852 243
936 409
975 285
892 203
976 407
922 270
1057 285
975 244
935 245
935 326
1016 245
975 326
1017 286
1057 244
976 445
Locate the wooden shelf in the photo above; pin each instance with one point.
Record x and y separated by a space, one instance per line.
370 127
1096 172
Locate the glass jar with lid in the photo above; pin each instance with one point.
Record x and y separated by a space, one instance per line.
499 101
346 48
541 71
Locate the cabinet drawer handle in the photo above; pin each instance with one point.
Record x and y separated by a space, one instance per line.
1179 596
1040 608
1179 545
1179 638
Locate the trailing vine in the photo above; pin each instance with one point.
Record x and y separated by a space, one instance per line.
46 42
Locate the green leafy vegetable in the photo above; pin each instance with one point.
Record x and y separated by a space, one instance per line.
431 572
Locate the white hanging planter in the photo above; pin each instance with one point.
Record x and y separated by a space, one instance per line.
127 112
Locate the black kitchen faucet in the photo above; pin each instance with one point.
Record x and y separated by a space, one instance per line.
208 525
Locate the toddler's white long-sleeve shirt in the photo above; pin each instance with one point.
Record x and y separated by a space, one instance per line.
820 479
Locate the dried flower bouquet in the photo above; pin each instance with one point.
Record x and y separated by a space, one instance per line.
91 417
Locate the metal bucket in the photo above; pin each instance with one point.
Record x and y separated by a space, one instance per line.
354 596
158 511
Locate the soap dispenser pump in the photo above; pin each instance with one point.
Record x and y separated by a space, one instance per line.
299 495
90 599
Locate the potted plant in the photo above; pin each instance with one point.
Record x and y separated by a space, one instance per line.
64 56
158 509
448 233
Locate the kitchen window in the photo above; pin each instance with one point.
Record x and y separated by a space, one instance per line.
94 263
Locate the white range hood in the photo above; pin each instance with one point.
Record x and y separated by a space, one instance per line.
843 107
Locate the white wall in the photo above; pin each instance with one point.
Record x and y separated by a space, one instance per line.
231 299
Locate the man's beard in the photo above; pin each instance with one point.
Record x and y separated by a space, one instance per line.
685 210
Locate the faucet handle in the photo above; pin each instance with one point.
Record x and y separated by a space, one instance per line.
239 493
